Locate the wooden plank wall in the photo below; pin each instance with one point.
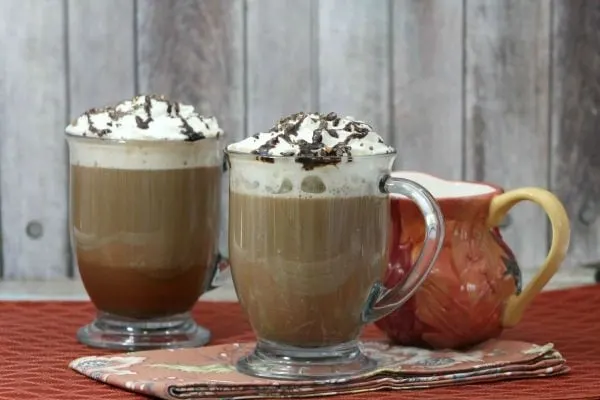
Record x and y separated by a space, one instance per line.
505 91
507 69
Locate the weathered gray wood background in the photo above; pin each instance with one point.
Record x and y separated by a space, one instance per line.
506 91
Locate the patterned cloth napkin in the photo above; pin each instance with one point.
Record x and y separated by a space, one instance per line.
209 372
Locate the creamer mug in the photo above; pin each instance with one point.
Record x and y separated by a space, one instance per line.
474 289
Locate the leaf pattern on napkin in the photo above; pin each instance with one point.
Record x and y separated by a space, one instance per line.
203 369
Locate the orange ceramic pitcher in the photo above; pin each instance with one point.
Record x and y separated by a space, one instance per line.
474 288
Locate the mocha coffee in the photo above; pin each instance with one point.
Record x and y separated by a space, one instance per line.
145 185
308 227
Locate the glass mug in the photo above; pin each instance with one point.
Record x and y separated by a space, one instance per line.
308 250
144 224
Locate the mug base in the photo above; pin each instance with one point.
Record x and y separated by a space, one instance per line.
274 361
108 331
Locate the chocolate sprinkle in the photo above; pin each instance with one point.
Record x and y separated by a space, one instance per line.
189 131
148 106
318 136
315 153
331 116
141 123
93 129
267 159
173 110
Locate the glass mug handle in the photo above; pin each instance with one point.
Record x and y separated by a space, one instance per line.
221 272
383 301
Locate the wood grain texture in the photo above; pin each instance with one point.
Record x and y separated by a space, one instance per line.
33 173
281 77
576 123
192 51
507 89
101 57
427 49
353 60
101 53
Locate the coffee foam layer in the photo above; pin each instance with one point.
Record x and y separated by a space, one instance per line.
287 179
145 155
148 117
315 135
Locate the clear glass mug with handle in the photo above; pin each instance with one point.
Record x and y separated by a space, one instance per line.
308 240
145 186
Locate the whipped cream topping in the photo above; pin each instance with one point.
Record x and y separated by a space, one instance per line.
149 117
315 139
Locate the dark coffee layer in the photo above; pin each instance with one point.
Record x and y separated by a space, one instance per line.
145 240
303 268
142 293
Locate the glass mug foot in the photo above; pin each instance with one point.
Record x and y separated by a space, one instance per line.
275 361
108 331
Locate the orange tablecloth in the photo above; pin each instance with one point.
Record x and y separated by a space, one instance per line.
37 340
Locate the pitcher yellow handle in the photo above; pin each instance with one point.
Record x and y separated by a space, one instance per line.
561 233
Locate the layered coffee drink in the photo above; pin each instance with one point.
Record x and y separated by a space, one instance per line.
308 227
309 233
144 206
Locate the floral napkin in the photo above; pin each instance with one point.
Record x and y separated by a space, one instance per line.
209 372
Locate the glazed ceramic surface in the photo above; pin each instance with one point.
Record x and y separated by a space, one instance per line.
474 289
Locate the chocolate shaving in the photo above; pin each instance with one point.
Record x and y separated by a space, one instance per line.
266 159
114 114
355 135
148 107
173 109
315 153
187 130
93 129
317 136
141 123
331 116
263 150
